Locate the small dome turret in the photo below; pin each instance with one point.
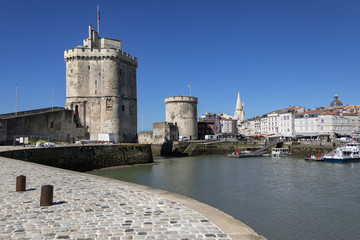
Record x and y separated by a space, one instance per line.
336 101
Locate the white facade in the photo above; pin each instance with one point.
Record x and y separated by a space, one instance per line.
228 126
333 124
306 124
286 124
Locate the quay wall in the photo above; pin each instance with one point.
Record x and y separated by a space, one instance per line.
219 147
200 148
306 150
86 157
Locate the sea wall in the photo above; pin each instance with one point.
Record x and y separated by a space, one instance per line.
201 148
86 157
311 148
220 147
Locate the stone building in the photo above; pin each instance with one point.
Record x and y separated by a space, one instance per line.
101 88
182 112
54 124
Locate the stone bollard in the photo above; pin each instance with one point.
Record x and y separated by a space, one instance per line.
20 183
47 193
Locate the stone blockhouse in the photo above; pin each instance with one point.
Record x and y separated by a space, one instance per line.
163 132
49 123
182 112
101 88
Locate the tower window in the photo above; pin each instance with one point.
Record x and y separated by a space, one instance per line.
123 108
71 71
95 92
95 82
52 125
89 67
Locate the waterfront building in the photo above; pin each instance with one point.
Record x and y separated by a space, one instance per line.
328 122
279 123
101 88
208 124
286 124
221 124
228 127
333 124
306 124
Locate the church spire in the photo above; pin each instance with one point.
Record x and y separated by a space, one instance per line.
239 110
238 103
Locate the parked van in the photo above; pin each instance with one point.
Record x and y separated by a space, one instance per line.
344 139
183 139
211 137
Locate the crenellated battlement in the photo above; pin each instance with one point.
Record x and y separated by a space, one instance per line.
181 98
98 54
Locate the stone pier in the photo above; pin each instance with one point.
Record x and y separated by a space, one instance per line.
91 207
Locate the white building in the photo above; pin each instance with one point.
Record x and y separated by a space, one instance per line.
334 124
286 124
306 124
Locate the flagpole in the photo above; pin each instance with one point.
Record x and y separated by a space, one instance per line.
16 100
52 98
98 19
190 89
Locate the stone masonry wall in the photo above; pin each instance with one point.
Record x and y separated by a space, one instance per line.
58 125
85 158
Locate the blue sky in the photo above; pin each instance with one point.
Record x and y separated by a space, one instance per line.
276 53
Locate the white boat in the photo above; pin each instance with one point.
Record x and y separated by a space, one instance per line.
348 153
280 152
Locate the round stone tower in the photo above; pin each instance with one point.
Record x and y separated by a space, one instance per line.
182 111
101 88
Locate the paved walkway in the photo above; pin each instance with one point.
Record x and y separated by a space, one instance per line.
91 207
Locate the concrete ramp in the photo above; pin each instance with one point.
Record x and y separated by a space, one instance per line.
266 147
190 149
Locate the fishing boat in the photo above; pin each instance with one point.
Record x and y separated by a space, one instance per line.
315 158
344 154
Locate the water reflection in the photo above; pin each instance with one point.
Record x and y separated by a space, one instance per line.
280 198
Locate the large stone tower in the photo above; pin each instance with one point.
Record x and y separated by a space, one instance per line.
182 111
101 88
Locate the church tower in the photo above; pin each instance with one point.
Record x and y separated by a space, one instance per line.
101 88
239 110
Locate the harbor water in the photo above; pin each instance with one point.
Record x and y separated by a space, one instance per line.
280 198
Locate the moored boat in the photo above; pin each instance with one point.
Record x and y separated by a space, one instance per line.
344 154
315 158
280 152
243 154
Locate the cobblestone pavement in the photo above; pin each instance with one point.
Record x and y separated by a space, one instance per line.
89 207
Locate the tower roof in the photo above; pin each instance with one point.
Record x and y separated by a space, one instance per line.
336 101
238 102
